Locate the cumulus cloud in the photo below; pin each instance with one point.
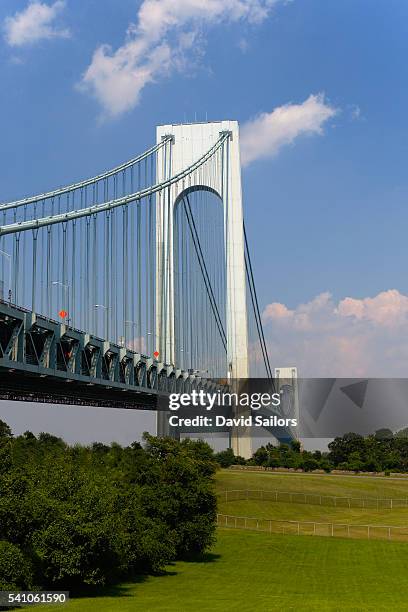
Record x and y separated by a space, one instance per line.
165 37
352 338
267 133
34 23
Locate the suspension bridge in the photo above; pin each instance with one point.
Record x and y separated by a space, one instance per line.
122 288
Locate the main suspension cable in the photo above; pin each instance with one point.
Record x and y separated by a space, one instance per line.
85 183
255 305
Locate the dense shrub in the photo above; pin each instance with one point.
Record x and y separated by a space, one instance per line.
226 458
93 515
15 569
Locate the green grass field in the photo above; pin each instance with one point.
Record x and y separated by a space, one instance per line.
249 571
269 511
306 512
324 484
327 484
252 571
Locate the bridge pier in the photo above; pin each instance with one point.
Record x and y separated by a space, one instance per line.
163 428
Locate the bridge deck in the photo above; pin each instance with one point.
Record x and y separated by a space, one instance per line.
46 361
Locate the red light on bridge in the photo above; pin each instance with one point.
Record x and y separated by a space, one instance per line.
156 354
63 314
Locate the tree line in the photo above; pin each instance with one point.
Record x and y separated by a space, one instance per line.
383 451
75 517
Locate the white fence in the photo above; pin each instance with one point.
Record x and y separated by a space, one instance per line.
339 530
313 498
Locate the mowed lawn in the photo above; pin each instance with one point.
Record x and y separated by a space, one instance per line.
319 514
250 571
321 484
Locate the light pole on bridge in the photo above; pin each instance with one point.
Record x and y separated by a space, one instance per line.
106 309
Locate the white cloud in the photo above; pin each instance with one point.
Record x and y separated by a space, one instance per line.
166 37
34 23
267 133
352 338
388 309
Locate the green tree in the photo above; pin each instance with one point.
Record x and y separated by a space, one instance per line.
342 447
384 434
295 444
16 572
225 458
5 432
261 456
93 515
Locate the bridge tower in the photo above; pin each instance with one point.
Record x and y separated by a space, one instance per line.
189 142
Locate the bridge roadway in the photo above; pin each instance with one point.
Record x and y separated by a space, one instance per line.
42 360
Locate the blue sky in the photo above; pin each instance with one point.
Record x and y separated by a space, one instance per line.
326 214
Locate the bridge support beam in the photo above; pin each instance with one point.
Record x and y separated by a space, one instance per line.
189 143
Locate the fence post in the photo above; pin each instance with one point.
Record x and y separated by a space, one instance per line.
298 526
257 523
235 522
332 531
314 528
348 530
368 531
389 533
391 503
270 526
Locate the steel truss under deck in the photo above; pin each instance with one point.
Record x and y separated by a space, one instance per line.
42 360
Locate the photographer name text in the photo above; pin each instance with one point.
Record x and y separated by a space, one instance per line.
222 421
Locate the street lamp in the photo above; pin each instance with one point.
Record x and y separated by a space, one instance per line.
106 309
